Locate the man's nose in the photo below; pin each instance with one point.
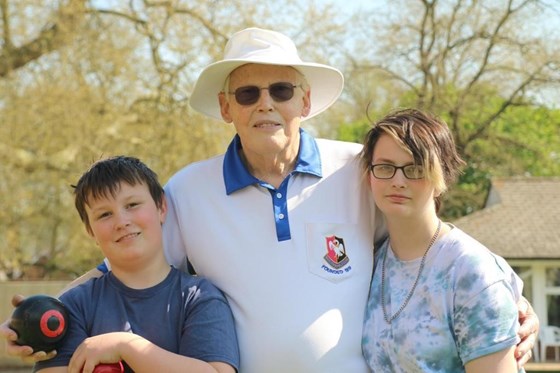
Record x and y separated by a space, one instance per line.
265 101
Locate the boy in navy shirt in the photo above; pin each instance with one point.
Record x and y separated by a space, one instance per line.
143 312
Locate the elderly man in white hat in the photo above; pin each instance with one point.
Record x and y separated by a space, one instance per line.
260 220
281 222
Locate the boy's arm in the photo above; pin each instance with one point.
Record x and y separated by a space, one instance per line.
139 353
25 352
54 370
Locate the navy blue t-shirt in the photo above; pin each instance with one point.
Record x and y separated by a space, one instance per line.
183 314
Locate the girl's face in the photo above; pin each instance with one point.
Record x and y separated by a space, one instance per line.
399 197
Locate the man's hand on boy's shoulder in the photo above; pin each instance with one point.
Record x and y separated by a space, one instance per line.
24 352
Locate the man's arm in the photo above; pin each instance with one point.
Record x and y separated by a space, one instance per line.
92 273
26 352
528 332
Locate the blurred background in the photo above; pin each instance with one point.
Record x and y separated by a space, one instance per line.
84 79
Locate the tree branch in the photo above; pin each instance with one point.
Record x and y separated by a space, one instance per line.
49 39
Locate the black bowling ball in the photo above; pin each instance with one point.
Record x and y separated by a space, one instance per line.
41 322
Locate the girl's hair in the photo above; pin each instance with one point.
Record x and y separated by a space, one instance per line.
424 136
104 177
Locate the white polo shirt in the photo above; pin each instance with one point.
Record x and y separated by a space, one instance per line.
295 262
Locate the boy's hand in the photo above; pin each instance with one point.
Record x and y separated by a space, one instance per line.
99 349
24 352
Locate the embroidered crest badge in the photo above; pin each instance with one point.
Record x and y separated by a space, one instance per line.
336 252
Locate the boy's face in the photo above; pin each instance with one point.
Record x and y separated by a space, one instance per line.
127 227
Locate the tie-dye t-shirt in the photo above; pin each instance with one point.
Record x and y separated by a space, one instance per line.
464 307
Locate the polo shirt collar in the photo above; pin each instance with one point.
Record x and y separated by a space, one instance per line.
236 175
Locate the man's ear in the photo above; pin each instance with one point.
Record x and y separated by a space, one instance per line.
224 107
306 103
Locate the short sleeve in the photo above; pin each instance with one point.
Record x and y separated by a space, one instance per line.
487 322
209 330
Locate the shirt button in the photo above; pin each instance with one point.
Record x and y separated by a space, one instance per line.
278 195
280 216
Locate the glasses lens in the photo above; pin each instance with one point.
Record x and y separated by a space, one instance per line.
247 95
250 94
383 171
281 91
414 171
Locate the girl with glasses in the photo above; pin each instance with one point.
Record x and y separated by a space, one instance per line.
439 300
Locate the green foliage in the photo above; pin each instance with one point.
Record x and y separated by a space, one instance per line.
353 132
524 141
474 66
117 81
467 195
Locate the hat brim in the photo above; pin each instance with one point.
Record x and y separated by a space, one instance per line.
326 85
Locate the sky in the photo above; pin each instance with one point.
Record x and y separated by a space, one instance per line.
353 5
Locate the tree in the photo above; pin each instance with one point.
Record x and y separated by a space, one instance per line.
85 79
478 65
65 18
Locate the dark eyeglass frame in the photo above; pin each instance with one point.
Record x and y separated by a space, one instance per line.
409 171
250 94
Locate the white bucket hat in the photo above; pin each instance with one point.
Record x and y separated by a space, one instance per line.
254 45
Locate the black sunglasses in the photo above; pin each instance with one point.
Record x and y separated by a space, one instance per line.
249 94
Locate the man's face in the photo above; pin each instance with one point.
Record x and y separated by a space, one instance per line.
268 126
